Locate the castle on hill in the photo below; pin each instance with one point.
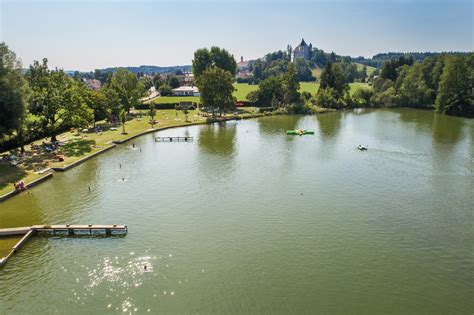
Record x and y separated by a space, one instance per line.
303 50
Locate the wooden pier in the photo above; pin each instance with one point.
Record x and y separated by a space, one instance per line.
66 230
174 139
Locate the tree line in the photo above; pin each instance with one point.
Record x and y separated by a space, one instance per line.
444 82
41 102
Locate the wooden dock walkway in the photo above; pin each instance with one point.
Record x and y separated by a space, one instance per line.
171 139
67 230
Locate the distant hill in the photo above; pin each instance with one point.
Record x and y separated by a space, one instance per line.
378 60
151 69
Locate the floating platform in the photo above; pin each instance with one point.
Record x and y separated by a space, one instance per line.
299 132
65 230
174 139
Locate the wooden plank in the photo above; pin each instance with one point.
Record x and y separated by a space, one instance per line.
14 231
78 227
23 240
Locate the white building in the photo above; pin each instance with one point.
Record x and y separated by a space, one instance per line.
186 91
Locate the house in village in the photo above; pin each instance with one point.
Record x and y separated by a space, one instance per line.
186 91
303 50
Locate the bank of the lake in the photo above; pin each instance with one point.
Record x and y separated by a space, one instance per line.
91 143
248 219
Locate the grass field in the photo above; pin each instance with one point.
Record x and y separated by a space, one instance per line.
243 89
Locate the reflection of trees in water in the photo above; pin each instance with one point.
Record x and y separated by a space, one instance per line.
278 124
447 129
329 125
218 138
446 133
422 119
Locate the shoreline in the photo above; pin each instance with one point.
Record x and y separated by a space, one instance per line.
114 145
27 185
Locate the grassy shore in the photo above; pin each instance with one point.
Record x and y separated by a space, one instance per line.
80 145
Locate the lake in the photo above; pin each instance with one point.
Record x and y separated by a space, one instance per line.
246 219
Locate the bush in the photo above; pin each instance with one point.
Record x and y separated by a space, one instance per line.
387 98
157 106
165 90
363 97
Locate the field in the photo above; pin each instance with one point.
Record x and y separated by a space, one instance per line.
243 89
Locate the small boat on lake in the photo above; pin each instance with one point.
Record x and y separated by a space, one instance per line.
362 147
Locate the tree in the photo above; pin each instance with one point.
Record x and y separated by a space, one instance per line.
333 77
173 81
152 113
389 69
128 88
215 57
327 98
99 103
269 93
157 81
123 120
455 88
12 93
290 85
363 97
165 90
56 99
303 70
414 92
363 74
215 85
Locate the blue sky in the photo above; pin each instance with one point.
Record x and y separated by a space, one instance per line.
88 34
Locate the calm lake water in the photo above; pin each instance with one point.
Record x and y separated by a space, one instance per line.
248 220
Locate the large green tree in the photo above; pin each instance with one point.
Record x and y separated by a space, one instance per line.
270 93
215 85
215 57
291 85
333 77
128 88
12 92
456 87
414 92
56 99
303 70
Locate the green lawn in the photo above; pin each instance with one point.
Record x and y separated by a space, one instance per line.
242 90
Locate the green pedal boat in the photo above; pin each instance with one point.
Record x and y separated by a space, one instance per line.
299 132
